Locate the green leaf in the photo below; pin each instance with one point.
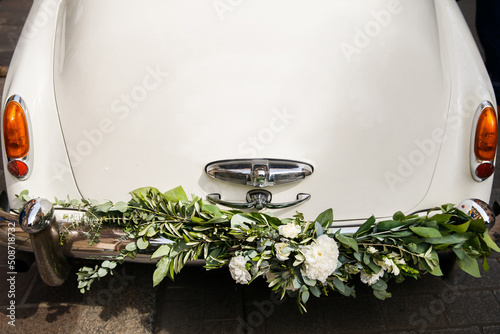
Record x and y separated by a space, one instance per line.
399 216
339 285
447 207
436 271
380 285
144 192
447 240
162 268
163 250
381 294
121 206
365 227
489 242
144 230
131 247
462 228
426 232
105 207
486 266
315 291
308 281
212 209
388 225
319 229
176 195
376 269
102 272
469 265
325 219
477 225
349 242
142 244
304 296
442 217
242 221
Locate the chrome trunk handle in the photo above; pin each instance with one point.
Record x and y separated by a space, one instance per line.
258 199
259 172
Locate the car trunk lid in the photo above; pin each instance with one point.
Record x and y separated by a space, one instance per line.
149 95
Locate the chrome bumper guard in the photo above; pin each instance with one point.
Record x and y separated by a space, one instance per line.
37 230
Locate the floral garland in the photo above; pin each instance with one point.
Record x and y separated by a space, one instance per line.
296 256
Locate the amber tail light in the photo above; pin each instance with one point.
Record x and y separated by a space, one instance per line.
16 137
485 142
15 131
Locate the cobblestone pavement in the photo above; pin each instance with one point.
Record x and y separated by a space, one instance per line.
210 302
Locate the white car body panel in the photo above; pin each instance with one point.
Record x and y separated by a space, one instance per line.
378 95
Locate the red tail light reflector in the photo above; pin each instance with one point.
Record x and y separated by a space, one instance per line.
18 168
15 131
485 170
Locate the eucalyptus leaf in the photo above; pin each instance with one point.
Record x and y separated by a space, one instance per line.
131 247
304 296
339 285
316 292
142 244
121 206
381 294
319 229
102 272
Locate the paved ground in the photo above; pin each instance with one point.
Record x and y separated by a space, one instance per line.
210 302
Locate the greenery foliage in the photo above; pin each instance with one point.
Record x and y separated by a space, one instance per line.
258 244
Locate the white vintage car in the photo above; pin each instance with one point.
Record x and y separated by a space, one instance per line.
366 106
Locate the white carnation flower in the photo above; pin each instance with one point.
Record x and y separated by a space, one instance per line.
371 279
388 265
290 230
238 271
281 254
321 258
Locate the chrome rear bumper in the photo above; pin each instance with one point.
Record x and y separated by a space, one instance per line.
39 232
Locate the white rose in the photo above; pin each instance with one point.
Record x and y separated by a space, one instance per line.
371 279
238 271
290 230
280 251
321 258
